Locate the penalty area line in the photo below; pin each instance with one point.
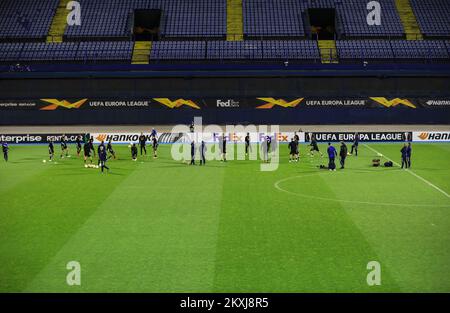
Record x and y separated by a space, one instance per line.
412 173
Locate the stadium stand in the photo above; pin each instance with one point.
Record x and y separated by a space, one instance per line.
290 50
25 19
352 14
364 49
400 50
286 18
234 50
115 51
433 17
178 50
280 18
419 49
10 51
113 18
198 30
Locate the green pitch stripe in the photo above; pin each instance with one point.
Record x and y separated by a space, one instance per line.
155 232
271 241
44 210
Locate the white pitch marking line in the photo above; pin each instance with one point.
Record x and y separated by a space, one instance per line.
277 186
412 173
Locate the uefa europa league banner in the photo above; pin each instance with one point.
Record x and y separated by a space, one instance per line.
263 103
362 136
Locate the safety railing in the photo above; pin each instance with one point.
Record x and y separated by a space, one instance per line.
339 35
251 50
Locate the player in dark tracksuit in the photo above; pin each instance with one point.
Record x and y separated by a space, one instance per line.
98 149
153 133
247 144
87 151
5 150
314 146
51 150
202 153
78 142
265 146
355 144
102 156
155 145
293 151
343 154
408 154
297 143
110 149
331 157
224 148
64 146
134 152
91 145
142 143
404 152
192 153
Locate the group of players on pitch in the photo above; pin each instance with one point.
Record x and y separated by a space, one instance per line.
331 151
104 152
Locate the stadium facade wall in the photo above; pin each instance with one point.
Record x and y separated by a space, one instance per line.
238 89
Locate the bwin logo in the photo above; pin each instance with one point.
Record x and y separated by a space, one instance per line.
227 104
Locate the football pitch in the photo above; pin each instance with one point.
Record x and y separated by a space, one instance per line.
158 225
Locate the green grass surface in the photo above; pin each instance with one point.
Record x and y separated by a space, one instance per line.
162 226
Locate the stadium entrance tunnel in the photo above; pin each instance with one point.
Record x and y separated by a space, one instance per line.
322 23
146 24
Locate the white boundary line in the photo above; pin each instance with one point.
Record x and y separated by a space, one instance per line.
412 173
277 186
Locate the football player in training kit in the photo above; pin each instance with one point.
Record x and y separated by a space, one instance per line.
64 147
87 148
155 147
192 153
91 145
248 148
293 148
343 154
202 153
153 133
51 150
5 150
134 152
224 148
408 154
331 157
297 142
102 156
314 146
109 149
404 152
265 148
142 143
78 142
355 144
